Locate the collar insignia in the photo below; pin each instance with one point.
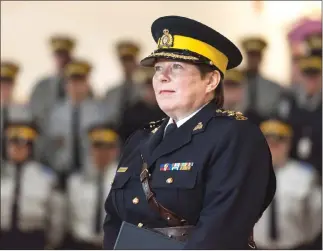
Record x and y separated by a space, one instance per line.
198 126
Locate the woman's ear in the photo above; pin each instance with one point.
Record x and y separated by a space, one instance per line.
214 81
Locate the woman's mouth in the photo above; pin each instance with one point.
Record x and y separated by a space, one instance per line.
166 91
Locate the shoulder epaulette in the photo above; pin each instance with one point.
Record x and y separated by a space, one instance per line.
232 114
153 124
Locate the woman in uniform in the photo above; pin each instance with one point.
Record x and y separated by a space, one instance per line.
203 169
87 190
26 191
285 224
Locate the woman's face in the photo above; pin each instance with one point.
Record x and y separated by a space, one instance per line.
179 87
77 88
18 152
6 90
279 148
312 83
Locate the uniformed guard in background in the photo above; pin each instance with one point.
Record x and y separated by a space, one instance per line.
302 28
47 91
87 190
234 92
69 120
9 71
304 108
26 187
145 109
293 219
126 93
262 93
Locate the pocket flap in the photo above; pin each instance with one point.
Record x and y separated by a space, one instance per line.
174 179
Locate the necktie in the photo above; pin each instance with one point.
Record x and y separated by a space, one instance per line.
16 197
61 88
76 136
169 129
3 138
252 89
126 89
273 228
99 199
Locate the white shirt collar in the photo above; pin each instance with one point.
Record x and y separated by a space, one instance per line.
183 120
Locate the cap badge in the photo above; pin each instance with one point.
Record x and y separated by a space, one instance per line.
166 40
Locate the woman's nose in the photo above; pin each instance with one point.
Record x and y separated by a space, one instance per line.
164 76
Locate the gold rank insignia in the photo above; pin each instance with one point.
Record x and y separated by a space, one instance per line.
236 115
155 130
122 169
239 116
198 126
153 125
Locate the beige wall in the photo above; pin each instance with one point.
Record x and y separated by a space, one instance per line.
26 26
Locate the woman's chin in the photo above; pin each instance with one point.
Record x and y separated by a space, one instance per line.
166 105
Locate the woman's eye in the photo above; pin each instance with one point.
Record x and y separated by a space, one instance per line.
177 66
157 68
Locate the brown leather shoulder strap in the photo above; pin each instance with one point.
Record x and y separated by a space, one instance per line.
172 219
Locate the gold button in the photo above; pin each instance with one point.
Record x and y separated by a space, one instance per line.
140 224
135 200
169 180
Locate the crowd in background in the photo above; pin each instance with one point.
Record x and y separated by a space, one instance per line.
60 151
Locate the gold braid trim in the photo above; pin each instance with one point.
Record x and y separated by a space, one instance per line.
236 115
173 55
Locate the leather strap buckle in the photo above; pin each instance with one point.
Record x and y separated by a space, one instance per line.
144 174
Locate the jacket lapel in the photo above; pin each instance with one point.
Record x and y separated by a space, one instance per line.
147 146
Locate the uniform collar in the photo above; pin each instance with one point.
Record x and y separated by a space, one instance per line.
154 147
9 167
183 120
309 103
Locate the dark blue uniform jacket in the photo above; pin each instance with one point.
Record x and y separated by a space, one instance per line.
221 172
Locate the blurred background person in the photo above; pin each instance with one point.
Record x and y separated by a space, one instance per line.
69 120
50 89
234 93
303 28
293 220
262 94
26 187
145 109
304 107
127 92
9 71
307 145
88 189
